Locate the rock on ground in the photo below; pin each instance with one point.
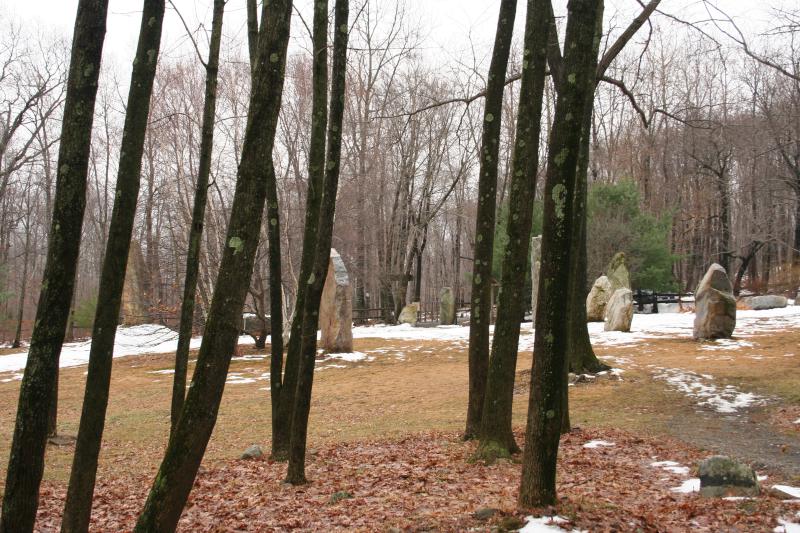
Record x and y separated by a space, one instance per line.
336 308
721 476
597 300
767 301
715 305
409 314
619 311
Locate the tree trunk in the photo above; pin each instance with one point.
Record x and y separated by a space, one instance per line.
198 215
23 288
302 400
548 376
581 358
496 437
78 506
178 469
26 460
283 413
481 300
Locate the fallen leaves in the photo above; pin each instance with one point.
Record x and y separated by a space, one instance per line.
426 482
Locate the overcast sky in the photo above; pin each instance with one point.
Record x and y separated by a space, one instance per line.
451 29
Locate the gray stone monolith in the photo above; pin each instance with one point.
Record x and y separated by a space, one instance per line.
619 311
715 305
336 308
597 299
447 307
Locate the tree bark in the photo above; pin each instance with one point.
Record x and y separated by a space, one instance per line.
26 461
481 300
548 376
302 400
198 215
283 413
78 506
496 438
186 447
581 357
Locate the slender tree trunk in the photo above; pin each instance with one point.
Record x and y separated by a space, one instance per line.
23 289
198 215
496 437
78 506
279 444
186 448
548 379
283 413
26 461
481 301
302 400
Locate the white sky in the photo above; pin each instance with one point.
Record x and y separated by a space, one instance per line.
451 29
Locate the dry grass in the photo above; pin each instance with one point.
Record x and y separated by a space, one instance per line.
427 390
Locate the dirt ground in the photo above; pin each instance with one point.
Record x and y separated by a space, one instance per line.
415 387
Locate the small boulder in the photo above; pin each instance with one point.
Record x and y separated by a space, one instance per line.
485 513
768 301
597 299
721 476
409 314
715 306
619 311
252 452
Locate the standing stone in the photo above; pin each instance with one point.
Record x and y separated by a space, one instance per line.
134 309
797 298
409 314
336 308
597 299
715 305
617 273
536 266
447 307
619 311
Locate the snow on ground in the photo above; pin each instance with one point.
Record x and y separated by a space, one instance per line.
130 340
154 339
597 444
794 492
688 486
545 524
727 400
671 466
786 526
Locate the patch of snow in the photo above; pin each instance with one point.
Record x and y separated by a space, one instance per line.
786 527
545 524
726 344
671 466
797 421
351 357
597 444
794 492
165 371
726 400
129 340
688 486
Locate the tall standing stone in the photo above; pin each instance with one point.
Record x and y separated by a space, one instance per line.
536 265
617 273
715 305
336 308
597 299
447 307
133 309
